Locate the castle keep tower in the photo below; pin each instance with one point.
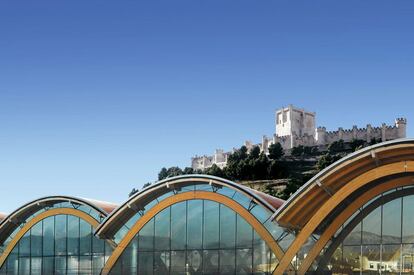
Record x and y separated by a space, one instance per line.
294 124
294 121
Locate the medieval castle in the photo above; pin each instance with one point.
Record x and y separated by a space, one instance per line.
296 127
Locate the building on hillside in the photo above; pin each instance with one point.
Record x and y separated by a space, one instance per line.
295 126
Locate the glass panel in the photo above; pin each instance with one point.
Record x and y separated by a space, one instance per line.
73 264
261 256
408 221
162 262
85 265
24 265
146 237
60 241
178 262
227 262
24 245
98 246
260 213
85 238
60 265
162 230
371 227
354 238
48 265
145 263
211 225
391 222
49 236
243 261
178 225
244 233
12 262
407 258
228 227
73 236
351 259
335 263
210 261
194 261
391 259
130 257
36 265
371 260
36 239
194 224
97 264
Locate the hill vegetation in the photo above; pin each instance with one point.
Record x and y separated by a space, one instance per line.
275 173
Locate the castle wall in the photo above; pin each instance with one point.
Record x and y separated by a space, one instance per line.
295 127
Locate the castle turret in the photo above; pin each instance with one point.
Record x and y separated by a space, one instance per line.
369 133
383 132
320 135
354 131
401 124
265 144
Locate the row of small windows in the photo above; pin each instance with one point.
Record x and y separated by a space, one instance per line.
196 237
62 244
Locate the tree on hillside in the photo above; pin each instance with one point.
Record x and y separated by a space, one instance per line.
146 185
275 151
327 160
297 151
357 144
163 174
133 191
336 147
188 171
254 152
214 170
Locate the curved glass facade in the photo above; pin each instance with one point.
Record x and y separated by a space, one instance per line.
196 237
54 205
61 244
260 212
378 239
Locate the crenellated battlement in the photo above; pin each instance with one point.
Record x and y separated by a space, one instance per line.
296 126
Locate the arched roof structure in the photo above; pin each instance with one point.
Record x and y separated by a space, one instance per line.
352 180
10 222
125 211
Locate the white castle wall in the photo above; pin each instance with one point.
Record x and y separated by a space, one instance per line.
296 127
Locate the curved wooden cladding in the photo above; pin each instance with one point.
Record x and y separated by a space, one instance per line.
203 195
348 212
326 208
42 216
299 210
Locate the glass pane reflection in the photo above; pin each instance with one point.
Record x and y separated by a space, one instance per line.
42 250
206 238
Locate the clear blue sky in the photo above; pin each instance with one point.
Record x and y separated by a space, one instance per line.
97 96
